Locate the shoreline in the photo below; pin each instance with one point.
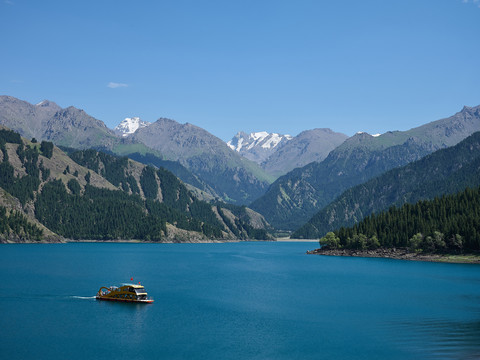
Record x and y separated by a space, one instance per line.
287 239
400 254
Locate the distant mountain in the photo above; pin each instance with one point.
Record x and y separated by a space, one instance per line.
231 176
278 154
25 118
295 197
129 125
47 121
306 147
257 146
45 195
445 171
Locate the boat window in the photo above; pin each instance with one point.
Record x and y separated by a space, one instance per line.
140 291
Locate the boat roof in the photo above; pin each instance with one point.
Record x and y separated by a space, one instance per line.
136 286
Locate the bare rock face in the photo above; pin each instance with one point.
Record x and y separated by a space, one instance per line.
46 120
306 147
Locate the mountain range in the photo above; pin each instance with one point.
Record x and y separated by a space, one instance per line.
221 172
311 169
446 171
295 197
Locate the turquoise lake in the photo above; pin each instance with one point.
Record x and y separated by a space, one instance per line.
251 300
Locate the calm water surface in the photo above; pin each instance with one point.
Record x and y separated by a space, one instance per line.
234 301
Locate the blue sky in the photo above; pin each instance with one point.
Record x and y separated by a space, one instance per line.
231 65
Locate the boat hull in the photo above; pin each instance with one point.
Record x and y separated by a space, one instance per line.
148 301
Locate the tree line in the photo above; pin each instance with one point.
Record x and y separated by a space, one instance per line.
450 223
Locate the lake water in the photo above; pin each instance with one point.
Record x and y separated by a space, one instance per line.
233 301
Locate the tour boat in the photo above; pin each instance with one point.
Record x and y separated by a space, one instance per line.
125 293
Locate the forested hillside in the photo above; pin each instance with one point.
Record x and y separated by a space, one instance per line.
92 195
446 224
445 171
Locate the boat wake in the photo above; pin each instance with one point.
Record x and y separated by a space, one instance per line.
82 297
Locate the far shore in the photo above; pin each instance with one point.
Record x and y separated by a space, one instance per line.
287 239
135 241
401 254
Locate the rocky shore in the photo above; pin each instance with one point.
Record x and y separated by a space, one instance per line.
400 254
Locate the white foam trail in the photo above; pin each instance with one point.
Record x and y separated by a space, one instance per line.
83 297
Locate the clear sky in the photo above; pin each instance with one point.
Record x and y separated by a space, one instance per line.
229 65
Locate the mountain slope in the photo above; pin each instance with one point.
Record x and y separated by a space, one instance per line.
306 147
445 171
231 176
92 195
47 121
294 198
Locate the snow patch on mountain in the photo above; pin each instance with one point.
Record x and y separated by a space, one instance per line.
261 139
257 146
130 125
363 132
274 140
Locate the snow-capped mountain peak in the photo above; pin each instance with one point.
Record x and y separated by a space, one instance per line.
257 146
130 125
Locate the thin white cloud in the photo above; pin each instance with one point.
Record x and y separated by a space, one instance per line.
476 2
114 85
8 2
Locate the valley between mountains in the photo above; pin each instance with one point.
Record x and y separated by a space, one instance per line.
66 175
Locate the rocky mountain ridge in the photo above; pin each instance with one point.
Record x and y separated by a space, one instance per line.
70 127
